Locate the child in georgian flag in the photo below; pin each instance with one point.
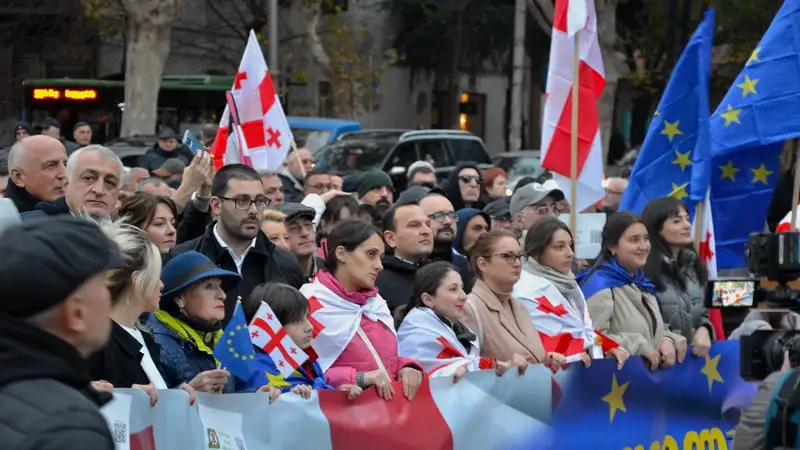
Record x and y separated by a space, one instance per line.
291 309
551 295
430 328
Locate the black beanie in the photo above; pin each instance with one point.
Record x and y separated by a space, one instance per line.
373 179
45 260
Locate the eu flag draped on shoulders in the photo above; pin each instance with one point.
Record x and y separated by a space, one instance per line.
747 132
664 165
234 350
690 405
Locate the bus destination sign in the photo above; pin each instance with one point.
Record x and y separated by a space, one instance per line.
65 94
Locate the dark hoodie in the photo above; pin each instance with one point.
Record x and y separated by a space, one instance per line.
43 209
394 281
454 190
45 393
460 254
156 156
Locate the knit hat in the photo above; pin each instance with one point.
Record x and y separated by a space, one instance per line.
46 259
373 179
23 126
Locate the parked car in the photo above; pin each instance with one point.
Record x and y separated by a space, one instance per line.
129 149
520 164
315 132
394 150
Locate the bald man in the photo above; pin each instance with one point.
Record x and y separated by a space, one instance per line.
615 187
37 168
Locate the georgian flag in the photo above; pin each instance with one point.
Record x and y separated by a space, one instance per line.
785 225
425 338
708 254
267 333
562 328
574 19
264 126
337 320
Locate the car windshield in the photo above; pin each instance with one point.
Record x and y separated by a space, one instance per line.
520 166
469 150
312 140
350 156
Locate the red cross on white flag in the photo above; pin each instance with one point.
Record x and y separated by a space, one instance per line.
267 333
708 248
574 19
266 131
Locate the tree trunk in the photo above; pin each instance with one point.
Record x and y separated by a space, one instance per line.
607 35
518 74
149 25
454 79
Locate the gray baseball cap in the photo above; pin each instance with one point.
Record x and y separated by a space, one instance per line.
534 193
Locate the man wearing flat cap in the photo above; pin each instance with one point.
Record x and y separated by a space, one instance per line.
167 147
47 329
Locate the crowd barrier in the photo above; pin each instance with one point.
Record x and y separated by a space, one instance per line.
599 407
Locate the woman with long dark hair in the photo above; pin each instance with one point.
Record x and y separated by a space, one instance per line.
548 289
677 272
355 337
621 299
430 328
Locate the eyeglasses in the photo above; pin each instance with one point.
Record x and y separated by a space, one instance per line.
441 216
510 258
244 203
466 179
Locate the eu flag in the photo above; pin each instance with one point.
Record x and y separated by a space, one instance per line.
691 405
234 351
747 131
664 165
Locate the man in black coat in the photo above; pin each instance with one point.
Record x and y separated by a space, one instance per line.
46 331
407 231
166 148
235 241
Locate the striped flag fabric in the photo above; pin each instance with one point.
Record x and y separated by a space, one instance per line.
574 19
263 123
267 333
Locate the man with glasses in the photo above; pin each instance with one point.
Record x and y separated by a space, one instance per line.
303 237
317 182
235 241
444 224
532 203
615 187
294 171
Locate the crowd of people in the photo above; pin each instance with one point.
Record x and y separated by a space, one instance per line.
145 268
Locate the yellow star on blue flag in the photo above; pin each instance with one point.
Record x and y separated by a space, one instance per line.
747 132
235 352
664 165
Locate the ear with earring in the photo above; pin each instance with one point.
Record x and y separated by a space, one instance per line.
181 305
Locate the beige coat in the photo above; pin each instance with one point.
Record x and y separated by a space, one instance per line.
631 318
502 329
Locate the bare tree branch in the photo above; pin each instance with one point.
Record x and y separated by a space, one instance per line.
212 4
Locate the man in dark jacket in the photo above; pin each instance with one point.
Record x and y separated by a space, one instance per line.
235 241
471 225
407 231
303 237
166 148
46 331
37 168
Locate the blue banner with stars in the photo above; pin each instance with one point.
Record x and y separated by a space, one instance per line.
633 408
664 165
747 132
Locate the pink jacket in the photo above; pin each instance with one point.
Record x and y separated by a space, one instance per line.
356 357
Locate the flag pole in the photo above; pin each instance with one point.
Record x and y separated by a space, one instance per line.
699 218
796 189
299 160
573 178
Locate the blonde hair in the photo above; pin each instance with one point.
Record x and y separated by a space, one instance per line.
272 215
139 270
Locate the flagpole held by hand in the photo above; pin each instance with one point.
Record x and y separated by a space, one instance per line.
573 189
299 160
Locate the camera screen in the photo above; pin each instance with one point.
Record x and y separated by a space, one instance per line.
733 293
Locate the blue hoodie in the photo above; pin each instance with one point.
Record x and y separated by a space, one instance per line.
460 259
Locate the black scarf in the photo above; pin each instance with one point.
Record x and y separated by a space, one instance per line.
23 200
463 334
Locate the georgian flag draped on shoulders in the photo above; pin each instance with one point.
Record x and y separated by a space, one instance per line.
337 320
562 328
425 338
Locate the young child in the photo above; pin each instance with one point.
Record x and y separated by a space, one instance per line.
291 309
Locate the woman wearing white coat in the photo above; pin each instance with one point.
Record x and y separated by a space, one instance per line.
553 298
430 331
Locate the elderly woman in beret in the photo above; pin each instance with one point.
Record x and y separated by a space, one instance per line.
190 320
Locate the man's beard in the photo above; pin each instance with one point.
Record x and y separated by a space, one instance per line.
235 228
381 206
